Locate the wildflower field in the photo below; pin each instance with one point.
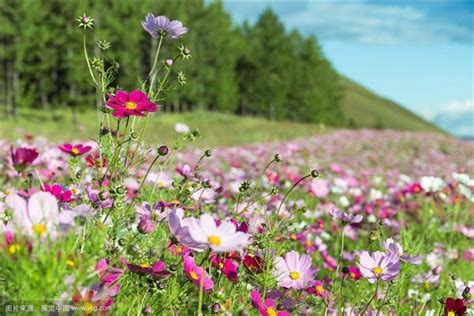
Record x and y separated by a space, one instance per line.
349 222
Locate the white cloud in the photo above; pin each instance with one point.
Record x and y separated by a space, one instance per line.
360 21
457 116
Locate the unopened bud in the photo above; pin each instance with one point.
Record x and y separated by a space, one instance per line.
163 150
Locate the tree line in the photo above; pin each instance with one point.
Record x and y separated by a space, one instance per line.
260 69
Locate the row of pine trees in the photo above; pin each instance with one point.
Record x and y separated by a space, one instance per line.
259 69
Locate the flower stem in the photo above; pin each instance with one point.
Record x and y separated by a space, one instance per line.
371 299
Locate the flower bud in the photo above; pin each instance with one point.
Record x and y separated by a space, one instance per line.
208 153
169 62
345 270
216 308
315 173
277 158
466 294
163 150
85 22
146 226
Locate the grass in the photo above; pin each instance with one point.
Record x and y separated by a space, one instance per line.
217 129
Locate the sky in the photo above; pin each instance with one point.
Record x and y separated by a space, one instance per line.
417 53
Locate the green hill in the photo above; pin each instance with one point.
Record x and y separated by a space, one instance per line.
364 108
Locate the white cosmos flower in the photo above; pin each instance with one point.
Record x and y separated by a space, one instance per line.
37 216
220 238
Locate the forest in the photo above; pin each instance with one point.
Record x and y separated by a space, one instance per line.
258 69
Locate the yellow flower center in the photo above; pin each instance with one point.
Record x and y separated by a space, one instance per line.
144 265
319 289
308 243
39 229
193 275
14 248
451 313
377 271
271 311
352 274
294 275
70 263
161 184
88 308
214 240
130 105
75 151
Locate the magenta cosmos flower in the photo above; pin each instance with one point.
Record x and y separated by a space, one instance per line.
74 150
220 238
125 104
379 265
23 157
294 271
196 274
267 307
162 26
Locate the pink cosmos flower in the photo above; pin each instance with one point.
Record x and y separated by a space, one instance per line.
23 157
379 265
156 271
108 273
179 228
346 218
226 266
220 238
320 188
196 274
267 307
60 192
97 299
294 271
75 150
395 248
317 288
134 103
354 273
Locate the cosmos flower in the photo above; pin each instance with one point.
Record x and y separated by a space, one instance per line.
220 238
226 266
354 273
75 150
344 217
181 128
454 307
317 288
135 103
23 157
379 265
196 274
431 184
179 228
267 307
294 271
395 248
162 26
254 263
156 271
60 192
109 274
38 216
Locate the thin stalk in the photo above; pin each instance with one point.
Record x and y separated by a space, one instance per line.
371 299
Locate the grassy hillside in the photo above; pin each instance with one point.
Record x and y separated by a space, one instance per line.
364 108
217 129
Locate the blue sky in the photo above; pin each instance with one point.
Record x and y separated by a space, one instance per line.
418 53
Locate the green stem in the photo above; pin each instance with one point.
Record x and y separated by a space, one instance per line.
88 63
371 299
153 71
